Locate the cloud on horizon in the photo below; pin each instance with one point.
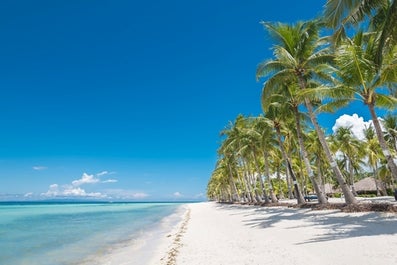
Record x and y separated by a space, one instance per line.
110 181
39 168
74 189
177 194
70 191
85 179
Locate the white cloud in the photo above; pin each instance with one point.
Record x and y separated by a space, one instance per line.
79 192
200 196
110 181
122 194
74 189
85 179
53 190
177 194
29 194
70 191
356 123
39 168
140 195
104 173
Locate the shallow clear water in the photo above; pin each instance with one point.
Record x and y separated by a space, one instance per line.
68 233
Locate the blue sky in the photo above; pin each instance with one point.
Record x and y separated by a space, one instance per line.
126 99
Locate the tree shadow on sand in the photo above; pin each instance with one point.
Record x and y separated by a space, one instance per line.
331 224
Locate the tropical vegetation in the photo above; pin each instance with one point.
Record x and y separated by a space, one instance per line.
285 151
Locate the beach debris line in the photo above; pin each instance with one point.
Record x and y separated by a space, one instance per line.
176 244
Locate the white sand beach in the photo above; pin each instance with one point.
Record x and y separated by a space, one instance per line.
216 234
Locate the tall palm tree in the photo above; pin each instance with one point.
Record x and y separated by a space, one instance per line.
267 142
218 187
286 94
300 59
230 149
351 149
317 156
359 74
276 115
374 154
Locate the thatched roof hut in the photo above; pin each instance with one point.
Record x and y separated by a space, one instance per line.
368 185
329 189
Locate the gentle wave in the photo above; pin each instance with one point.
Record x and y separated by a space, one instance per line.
74 233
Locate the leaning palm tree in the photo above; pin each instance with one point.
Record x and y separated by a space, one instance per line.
317 157
374 154
229 150
286 94
351 149
358 73
300 59
267 143
277 115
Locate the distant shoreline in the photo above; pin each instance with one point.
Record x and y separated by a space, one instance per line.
72 201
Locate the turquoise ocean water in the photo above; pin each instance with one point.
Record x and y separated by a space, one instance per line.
74 233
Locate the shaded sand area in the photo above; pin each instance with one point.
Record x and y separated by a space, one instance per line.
216 234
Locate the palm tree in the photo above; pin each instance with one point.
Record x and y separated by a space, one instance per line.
229 149
300 59
286 94
390 124
267 142
359 74
218 187
380 15
351 149
374 154
317 156
276 115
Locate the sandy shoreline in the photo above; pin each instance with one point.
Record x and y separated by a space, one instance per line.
215 234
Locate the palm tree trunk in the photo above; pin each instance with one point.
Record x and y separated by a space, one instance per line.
233 183
290 194
382 142
320 194
376 183
351 174
280 188
267 173
320 176
248 183
299 196
244 186
260 179
349 197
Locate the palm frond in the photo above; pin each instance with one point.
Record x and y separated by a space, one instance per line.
388 37
280 78
321 58
284 56
269 67
336 11
306 36
363 9
340 12
278 32
386 101
323 92
333 106
354 66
